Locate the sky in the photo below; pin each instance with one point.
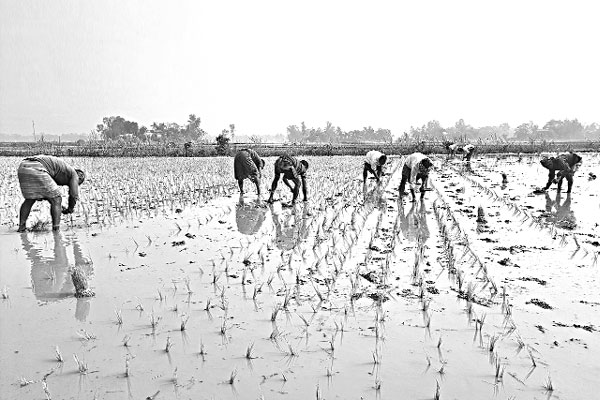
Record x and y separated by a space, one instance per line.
265 65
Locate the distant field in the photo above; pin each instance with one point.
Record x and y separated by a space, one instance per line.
120 149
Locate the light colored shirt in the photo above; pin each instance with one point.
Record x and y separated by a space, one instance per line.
372 158
453 147
468 148
412 162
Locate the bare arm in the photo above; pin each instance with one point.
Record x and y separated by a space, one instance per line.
73 193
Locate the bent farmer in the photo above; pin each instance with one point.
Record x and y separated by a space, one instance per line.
416 167
468 150
374 162
566 164
292 170
40 177
248 164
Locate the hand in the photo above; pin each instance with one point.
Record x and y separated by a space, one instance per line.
270 201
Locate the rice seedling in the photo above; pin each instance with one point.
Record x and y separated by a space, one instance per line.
250 352
127 366
57 355
4 293
83 334
81 366
232 377
126 340
275 312
154 320
499 371
22 381
184 320
437 395
119 316
548 387
168 345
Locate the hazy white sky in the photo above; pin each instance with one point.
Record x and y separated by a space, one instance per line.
264 65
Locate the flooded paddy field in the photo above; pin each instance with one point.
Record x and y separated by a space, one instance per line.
482 290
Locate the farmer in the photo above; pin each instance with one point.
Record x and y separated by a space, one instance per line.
416 166
40 177
566 164
374 162
294 170
468 151
452 148
248 164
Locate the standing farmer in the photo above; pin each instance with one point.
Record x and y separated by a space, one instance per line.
40 177
248 164
566 164
294 170
416 166
374 162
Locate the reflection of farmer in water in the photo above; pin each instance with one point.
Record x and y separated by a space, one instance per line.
414 224
560 214
249 217
290 228
50 276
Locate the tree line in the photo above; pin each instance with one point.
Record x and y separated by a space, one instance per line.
118 128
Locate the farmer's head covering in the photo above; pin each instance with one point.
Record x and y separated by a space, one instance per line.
426 163
382 159
305 163
262 163
81 175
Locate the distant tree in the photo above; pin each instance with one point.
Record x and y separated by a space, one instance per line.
526 131
566 129
192 130
256 139
113 128
295 134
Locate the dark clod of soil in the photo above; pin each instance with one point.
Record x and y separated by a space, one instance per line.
540 303
178 243
531 279
505 262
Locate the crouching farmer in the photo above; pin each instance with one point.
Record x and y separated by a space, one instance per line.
40 178
374 162
416 166
248 164
292 170
566 164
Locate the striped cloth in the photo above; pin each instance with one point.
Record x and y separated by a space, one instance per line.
245 165
35 181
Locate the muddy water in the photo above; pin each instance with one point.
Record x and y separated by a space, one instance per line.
367 306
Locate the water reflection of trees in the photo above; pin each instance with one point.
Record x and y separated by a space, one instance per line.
50 275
